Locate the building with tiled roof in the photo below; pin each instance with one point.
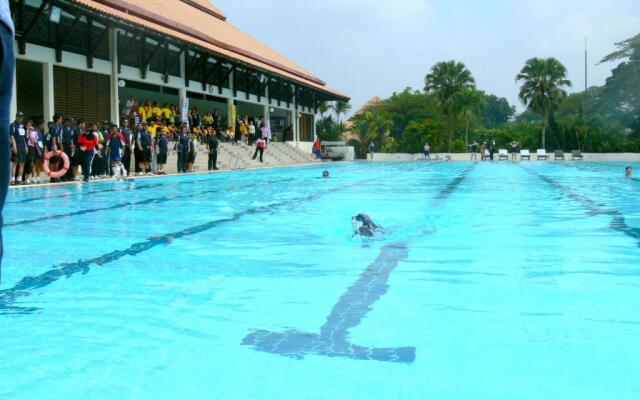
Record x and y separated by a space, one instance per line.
85 57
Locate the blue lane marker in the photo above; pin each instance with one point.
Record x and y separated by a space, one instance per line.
352 307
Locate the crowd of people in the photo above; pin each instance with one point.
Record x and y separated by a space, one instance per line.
67 149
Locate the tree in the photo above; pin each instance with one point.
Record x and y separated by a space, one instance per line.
341 107
323 108
445 81
497 111
469 104
371 127
543 81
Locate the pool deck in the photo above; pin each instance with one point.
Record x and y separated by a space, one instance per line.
588 157
379 157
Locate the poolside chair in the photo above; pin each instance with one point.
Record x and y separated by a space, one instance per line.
576 155
542 154
524 154
558 155
503 154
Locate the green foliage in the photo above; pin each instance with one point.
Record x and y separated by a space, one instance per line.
446 82
601 119
328 129
496 111
420 132
543 82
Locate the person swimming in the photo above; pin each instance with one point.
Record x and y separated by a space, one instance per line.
628 172
364 226
325 174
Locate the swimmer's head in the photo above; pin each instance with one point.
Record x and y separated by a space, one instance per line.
325 174
628 171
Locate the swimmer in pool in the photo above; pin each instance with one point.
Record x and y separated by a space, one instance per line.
364 226
628 172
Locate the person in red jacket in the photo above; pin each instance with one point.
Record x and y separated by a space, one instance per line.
88 141
260 145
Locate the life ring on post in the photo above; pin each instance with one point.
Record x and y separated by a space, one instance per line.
62 171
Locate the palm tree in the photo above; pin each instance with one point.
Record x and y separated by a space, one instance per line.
341 107
372 127
469 103
543 82
323 108
445 82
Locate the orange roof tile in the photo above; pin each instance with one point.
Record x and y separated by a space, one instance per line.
208 31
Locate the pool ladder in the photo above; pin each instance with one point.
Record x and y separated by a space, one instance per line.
236 163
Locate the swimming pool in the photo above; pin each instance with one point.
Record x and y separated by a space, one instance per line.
495 280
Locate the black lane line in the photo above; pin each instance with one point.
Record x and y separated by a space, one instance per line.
74 194
24 286
618 221
454 184
349 312
137 203
110 190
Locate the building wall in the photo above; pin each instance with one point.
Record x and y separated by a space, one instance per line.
46 56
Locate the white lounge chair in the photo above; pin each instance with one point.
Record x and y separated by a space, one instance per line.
542 154
503 154
525 154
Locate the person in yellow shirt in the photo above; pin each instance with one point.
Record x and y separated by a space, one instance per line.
153 126
157 111
142 113
207 120
148 110
166 112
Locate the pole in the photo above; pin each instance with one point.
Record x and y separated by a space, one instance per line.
585 66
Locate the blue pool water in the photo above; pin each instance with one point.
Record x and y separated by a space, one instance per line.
494 281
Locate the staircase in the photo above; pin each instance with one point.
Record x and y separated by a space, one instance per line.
232 157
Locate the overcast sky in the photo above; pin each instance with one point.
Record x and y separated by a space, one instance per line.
367 48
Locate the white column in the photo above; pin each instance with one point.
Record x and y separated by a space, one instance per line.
14 98
114 88
313 121
48 104
295 124
230 121
266 115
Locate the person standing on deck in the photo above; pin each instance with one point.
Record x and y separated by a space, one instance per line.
427 151
260 146
87 142
372 149
144 147
183 149
213 152
474 150
115 151
492 148
514 149
18 141
128 144
161 145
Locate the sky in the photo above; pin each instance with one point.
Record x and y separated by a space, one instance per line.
367 48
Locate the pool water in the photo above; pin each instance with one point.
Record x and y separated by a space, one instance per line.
493 281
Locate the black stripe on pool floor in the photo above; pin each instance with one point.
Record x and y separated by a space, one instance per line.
24 286
154 200
618 221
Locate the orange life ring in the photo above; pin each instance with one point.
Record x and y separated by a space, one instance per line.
62 171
